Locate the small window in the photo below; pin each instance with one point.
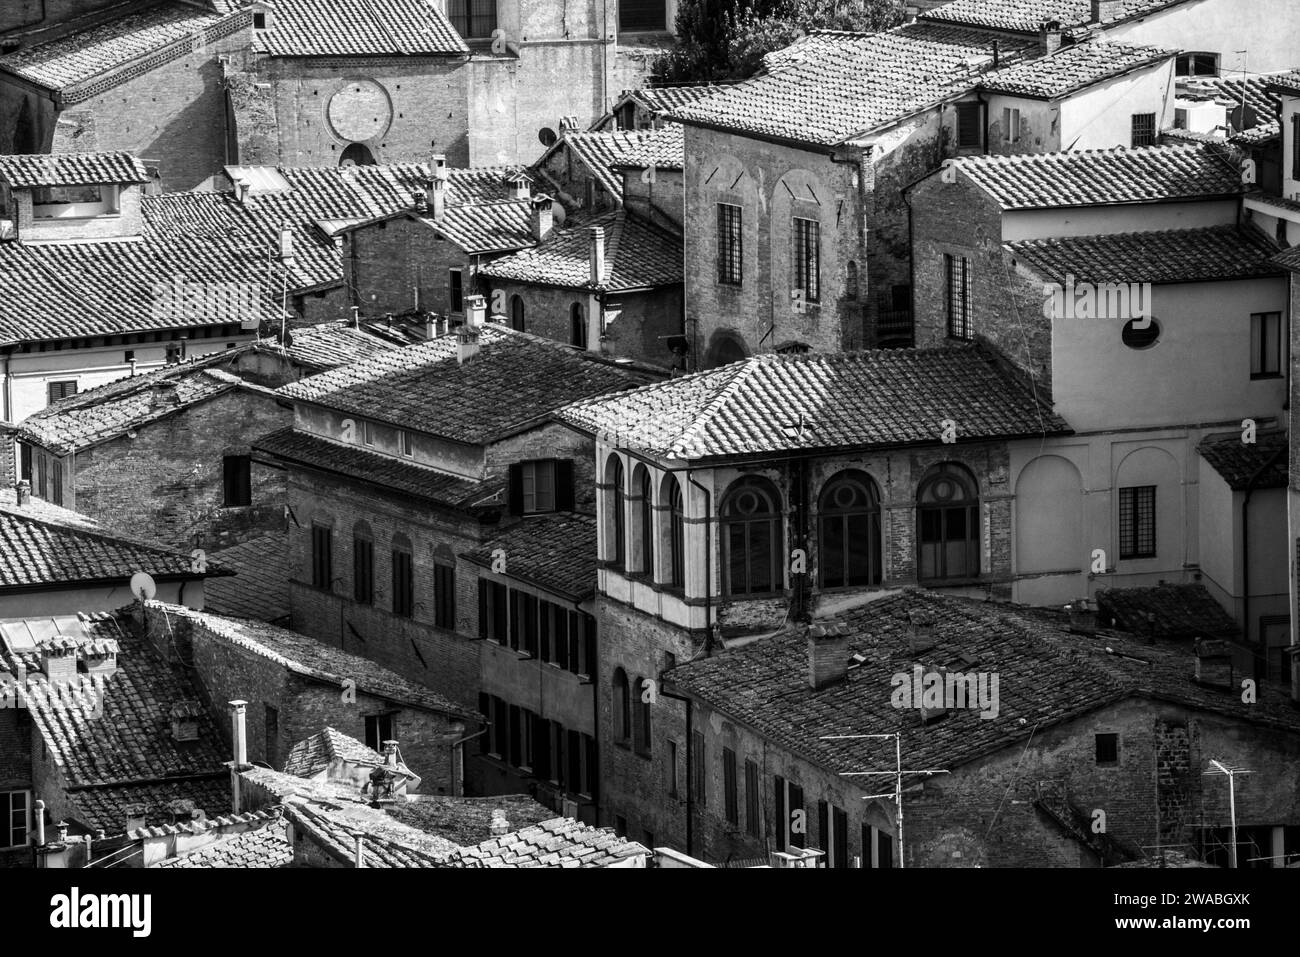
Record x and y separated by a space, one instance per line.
368 432
66 195
1140 334
851 280
672 769
473 19
60 390
1265 345
1280 231
517 313
444 595
363 565
404 443
379 728
730 247
1144 129
730 799
403 578
259 21
237 480
1107 750
272 727
322 558
455 292
957 278
641 733
970 133
1010 125
1137 522
698 783
15 818
753 822
642 15
1197 64
622 708
578 326
539 486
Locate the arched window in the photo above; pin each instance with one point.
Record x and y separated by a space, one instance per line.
615 518
725 347
358 154
403 577
851 280
849 531
578 326
517 313
363 564
645 522
622 707
751 539
948 514
641 710
676 533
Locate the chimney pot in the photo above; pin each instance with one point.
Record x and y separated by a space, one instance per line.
1103 11
467 343
238 733
1049 36
828 650
475 311
543 219
24 490
597 250
499 823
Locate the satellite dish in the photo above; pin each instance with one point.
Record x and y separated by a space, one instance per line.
143 582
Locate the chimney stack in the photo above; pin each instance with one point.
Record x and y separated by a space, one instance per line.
24 491
390 754
475 311
1103 11
597 248
101 657
361 851
1049 36
920 632
239 734
543 220
59 659
519 185
499 824
1213 663
828 654
185 720
437 200
164 395
467 343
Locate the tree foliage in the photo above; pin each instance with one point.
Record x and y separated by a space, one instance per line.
727 39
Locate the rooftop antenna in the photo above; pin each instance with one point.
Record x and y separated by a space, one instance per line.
1231 772
897 773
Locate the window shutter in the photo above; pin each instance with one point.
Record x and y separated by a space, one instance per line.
515 491
1295 146
824 828
564 491
798 839
782 822
482 608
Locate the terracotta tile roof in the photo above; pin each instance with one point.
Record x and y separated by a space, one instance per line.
40 547
555 552
598 152
1176 612
776 403
664 99
425 389
451 491
87 418
1288 83
1238 463
1181 255
662 148
23 171
314 659
465 821
198 826
1258 135
637 254
868 82
559 842
266 846
1262 102
163 802
360 28
326 346
1289 259
1026 16
1047 675
317 752
85 54
117 731
258 586
1072 68
388 843
486 227
1147 174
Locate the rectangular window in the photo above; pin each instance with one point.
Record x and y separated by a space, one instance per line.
730 249
1144 129
1137 522
957 281
672 768
877 847
731 805
797 817
752 822
1010 125
273 736
404 444
56 481
807 260
1197 64
369 432
55 391
237 480
15 806
642 15
1265 345
455 292
444 595
322 557
1107 750
970 131
363 570
403 584
379 728
1295 146
538 480
698 787
473 19
839 848
516 736
66 195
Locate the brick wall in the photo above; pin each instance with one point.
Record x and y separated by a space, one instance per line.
167 482
385 263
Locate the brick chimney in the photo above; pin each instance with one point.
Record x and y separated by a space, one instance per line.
1103 11
164 395
24 492
597 253
828 654
543 221
437 187
59 659
185 720
101 657
1213 663
920 632
467 343
1049 36
519 185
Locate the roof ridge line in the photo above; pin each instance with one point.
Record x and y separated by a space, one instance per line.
725 393
99 533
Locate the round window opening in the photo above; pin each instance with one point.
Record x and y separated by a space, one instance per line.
547 136
1141 333
943 490
747 503
845 496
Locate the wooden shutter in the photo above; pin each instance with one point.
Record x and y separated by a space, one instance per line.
841 837
482 608
796 804
564 490
782 822
515 490
824 828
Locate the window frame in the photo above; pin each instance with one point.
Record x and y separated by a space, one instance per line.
62 387
958 293
529 474
444 595
1132 540
1262 365
844 518
363 566
1143 130
805 251
402 557
775 522
968 118
731 244
241 483
731 803
322 556
10 828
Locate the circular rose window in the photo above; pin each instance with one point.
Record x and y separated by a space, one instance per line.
359 111
1140 333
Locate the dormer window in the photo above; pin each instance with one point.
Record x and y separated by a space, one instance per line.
259 21
74 202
